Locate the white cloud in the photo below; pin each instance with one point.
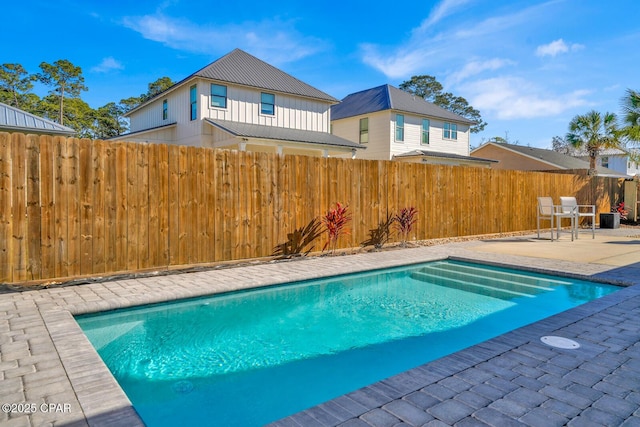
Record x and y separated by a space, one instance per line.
107 64
442 10
476 67
461 40
274 41
510 98
557 47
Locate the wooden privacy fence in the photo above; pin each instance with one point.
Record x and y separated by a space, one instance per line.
71 207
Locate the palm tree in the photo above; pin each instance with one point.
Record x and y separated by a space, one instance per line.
594 132
631 111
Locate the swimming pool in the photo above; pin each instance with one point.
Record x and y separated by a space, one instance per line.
248 358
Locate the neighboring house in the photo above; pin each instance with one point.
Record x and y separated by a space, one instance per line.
393 124
520 157
13 119
243 103
613 158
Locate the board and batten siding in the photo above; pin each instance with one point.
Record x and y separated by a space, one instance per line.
378 147
243 105
413 136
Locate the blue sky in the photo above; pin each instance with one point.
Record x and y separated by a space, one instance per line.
528 66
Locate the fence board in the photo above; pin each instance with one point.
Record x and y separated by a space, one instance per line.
73 206
6 244
132 206
154 192
174 204
33 213
86 206
110 207
47 217
121 248
143 205
98 155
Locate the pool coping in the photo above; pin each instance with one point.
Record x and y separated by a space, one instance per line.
99 400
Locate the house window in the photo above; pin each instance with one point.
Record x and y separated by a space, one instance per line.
450 131
267 103
218 96
193 97
425 131
364 130
165 110
605 161
399 127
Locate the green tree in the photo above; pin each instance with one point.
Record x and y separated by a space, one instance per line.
594 132
159 86
109 121
66 79
428 88
631 116
78 114
15 82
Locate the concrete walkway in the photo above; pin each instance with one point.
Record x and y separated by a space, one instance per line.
51 375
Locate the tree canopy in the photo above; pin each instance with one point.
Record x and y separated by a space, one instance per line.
594 132
64 78
631 116
15 82
428 88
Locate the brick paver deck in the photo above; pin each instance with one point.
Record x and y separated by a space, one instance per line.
51 375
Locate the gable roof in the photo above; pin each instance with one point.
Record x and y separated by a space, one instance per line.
550 157
13 119
387 97
238 67
249 130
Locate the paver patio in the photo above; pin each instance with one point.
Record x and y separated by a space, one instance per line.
48 365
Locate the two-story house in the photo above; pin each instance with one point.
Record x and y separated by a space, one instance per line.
393 124
241 102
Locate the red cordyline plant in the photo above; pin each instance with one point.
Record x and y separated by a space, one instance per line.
404 223
335 221
621 210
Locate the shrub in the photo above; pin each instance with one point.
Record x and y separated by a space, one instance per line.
300 239
335 222
404 223
380 235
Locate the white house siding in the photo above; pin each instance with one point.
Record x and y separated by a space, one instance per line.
243 105
413 136
378 147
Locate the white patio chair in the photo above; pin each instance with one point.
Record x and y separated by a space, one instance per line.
561 212
580 211
545 213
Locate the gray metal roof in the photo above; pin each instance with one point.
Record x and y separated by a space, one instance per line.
281 134
387 97
13 119
427 153
561 161
241 68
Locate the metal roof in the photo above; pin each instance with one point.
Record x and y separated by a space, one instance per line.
241 68
387 97
16 120
553 158
281 134
427 153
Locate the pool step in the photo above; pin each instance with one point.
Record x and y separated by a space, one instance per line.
519 277
498 279
468 286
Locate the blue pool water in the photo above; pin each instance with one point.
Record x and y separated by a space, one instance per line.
248 358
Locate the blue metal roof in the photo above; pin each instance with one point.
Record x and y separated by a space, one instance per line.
387 97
